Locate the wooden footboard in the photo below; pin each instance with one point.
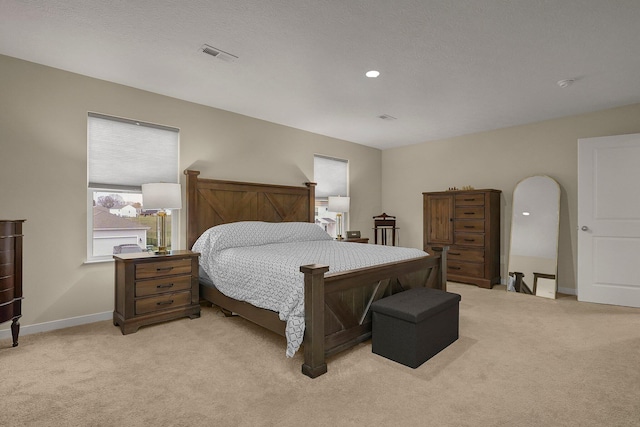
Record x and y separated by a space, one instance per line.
337 314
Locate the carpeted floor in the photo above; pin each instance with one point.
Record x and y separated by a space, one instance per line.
520 361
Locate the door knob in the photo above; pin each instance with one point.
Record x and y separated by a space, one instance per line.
584 228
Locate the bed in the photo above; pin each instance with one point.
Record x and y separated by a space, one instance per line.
336 304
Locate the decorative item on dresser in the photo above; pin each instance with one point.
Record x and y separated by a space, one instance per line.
468 222
11 274
152 288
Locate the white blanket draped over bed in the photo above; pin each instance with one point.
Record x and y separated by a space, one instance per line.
259 262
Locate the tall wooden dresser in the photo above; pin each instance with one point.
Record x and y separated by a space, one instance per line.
11 274
469 223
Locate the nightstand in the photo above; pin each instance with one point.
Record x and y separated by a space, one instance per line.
356 240
154 288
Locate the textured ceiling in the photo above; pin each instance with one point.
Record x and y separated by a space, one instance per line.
447 68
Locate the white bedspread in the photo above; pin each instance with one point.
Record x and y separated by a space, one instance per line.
260 263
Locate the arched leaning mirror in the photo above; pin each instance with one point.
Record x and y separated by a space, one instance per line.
533 253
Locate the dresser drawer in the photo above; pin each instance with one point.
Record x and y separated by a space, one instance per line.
469 269
150 270
159 286
470 212
7 243
7 311
470 199
6 294
469 239
6 255
464 254
470 226
8 228
163 302
6 269
6 283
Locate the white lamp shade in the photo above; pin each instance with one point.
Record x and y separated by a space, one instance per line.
339 204
161 195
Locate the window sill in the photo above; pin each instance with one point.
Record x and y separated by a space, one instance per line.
97 261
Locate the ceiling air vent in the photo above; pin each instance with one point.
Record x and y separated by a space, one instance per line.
387 117
218 53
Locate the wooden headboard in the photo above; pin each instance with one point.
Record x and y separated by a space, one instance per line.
213 202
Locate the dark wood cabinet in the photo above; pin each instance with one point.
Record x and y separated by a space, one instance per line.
11 274
154 288
469 223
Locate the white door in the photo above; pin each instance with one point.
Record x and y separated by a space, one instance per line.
609 220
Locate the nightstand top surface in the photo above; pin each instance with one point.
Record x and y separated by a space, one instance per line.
138 255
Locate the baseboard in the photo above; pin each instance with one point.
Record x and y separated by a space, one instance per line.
568 291
57 324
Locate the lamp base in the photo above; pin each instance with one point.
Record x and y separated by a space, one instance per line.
161 233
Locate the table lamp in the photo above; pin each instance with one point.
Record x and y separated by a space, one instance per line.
339 205
162 196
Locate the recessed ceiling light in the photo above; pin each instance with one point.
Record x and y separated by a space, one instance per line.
526 213
372 74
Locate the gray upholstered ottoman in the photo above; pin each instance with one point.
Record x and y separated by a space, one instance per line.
412 326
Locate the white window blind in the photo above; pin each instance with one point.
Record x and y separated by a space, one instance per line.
124 154
331 175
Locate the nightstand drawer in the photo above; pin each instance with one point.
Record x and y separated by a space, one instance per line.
163 302
469 239
149 270
159 286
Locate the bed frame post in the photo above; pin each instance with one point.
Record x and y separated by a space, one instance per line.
312 200
192 206
443 268
314 363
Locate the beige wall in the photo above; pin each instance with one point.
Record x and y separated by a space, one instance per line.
499 159
43 128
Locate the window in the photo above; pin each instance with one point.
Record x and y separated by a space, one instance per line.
332 177
122 155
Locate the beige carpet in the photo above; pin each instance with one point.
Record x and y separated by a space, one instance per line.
520 361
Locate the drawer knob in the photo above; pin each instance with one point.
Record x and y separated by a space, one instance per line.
469 226
165 302
454 253
164 268
469 213
168 285
454 268
469 240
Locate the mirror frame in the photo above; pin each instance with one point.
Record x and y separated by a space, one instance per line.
515 276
